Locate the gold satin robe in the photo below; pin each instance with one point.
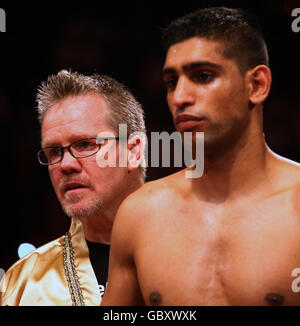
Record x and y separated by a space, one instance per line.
57 274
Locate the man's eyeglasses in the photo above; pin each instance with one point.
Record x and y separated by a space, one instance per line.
79 149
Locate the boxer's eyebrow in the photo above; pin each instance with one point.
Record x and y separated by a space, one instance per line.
168 71
201 64
191 66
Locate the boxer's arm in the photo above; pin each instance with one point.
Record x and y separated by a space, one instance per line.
123 288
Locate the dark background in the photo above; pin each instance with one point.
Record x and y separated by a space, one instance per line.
121 39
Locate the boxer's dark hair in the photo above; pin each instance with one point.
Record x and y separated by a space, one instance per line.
238 31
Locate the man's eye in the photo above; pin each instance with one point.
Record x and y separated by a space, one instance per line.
53 152
203 77
85 146
171 83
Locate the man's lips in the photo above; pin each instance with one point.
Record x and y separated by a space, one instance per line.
73 186
186 121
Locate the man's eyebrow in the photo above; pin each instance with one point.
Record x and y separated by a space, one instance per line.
190 66
45 145
194 65
72 140
168 71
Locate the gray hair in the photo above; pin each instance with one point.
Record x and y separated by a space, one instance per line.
123 107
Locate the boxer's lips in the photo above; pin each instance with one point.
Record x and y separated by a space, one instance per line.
187 121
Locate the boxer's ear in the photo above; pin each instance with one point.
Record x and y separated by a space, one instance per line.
259 81
135 152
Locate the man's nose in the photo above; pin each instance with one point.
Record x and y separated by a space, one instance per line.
69 164
183 94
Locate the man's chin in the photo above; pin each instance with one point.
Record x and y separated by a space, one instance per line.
70 199
82 209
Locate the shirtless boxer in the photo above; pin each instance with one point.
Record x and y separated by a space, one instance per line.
230 237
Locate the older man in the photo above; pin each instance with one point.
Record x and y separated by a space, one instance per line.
73 111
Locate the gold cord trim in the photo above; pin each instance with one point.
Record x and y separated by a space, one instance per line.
70 272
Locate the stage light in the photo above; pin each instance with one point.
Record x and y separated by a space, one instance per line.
24 249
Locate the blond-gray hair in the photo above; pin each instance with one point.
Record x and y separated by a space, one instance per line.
123 107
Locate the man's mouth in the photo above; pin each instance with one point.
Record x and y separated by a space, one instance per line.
72 186
187 121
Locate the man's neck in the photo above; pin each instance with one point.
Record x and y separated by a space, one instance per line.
98 228
234 174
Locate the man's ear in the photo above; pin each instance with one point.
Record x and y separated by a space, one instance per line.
135 152
259 80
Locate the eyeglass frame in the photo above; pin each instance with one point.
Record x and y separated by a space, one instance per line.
63 148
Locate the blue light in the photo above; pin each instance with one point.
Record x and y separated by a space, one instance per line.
24 249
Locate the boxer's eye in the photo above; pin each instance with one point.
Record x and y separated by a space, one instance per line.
171 83
202 77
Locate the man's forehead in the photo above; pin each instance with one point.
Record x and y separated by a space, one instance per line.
76 106
86 109
78 117
192 50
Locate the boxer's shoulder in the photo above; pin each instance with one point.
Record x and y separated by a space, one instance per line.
287 173
285 178
164 188
153 196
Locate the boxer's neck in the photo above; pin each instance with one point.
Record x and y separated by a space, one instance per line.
236 173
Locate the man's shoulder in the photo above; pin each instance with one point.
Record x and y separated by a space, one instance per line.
288 170
157 192
287 179
50 249
25 267
292 175
152 199
24 282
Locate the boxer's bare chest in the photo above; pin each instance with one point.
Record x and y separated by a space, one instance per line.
214 255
